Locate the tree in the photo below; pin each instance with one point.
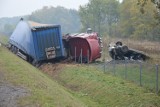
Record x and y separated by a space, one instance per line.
100 15
67 18
143 3
136 25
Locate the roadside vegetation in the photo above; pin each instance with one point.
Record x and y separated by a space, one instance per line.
97 89
3 39
130 71
73 85
42 90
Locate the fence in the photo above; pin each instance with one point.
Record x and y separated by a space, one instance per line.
143 74
78 57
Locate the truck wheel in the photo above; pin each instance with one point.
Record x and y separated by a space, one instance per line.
36 63
12 48
29 59
15 50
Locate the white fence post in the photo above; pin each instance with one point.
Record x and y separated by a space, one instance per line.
157 88
88 56
75 53
140 74
81 55
125 69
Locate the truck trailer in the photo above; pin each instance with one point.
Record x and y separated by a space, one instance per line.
36 42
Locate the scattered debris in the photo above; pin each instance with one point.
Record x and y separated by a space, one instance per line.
118 51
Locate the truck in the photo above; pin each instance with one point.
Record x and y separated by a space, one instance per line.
36 42
83 47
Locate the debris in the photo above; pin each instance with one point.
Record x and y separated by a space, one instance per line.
118 51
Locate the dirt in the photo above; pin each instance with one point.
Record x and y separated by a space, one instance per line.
52 69
9 94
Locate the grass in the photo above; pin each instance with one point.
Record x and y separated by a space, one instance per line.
3 39
43 91
131 72
76 85
151 48
97 89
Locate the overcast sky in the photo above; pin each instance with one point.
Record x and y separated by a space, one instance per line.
10 8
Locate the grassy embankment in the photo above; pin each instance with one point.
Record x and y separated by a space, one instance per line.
131 72
97 89
3 39
42 90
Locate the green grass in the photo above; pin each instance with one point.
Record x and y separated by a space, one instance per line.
75 86
43 91
131 72
3 39
97 89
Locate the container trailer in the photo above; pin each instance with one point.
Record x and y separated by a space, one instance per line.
36 42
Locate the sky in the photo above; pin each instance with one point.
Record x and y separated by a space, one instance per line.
11 8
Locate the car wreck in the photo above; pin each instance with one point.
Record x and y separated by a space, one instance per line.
118 51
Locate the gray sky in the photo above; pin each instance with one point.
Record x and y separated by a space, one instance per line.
10 8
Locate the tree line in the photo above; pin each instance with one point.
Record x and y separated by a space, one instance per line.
68 18
139 19
131 18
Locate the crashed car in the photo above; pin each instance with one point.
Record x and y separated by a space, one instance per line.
118 51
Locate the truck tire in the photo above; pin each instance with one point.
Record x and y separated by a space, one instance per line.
15 50
36 63
12 48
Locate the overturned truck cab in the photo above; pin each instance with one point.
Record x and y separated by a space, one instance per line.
118 51
83 47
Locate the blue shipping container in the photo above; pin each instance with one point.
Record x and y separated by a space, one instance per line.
39 41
